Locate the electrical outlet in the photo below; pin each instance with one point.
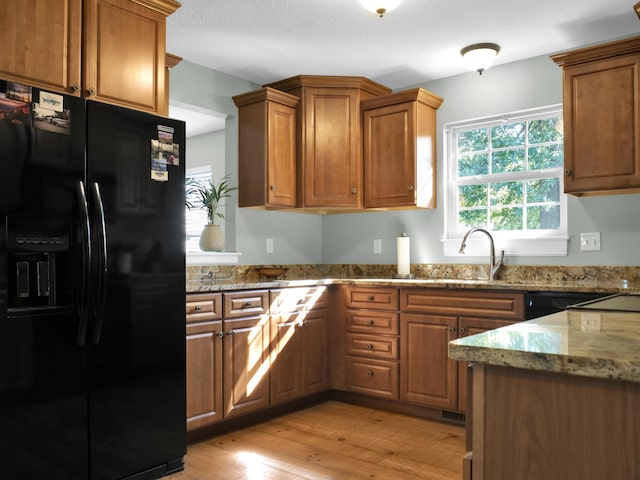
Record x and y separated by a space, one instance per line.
591 322
377 245
590 241
269 245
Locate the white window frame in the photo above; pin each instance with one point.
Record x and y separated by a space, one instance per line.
196 219
520 243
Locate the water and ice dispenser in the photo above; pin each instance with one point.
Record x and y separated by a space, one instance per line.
38 263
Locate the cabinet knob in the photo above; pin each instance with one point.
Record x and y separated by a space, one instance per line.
461 329
452 329
273 188
75 87
221 334
354 190
369 347
369 373
568 172
230 333
91 91
370 322
198 308
410 188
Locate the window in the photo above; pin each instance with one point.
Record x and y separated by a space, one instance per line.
505 174
196 219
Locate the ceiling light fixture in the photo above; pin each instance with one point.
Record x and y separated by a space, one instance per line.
480 56
380 6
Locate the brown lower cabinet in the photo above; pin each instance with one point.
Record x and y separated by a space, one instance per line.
254 349
429 320
243 359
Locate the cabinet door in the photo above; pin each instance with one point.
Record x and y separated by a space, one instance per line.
472 326
331 165
602 131
427 375
41 43
124 54
204 374
286 358
389 156
315 352
246 365
267 145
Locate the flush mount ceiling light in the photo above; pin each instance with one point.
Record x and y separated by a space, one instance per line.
380 6
480 56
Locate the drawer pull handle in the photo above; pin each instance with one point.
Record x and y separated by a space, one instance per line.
370 298
369 373
369 347
248 305
220 334
198 308
452 329
370 322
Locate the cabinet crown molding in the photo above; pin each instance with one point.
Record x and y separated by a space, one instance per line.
265 93
166 7
412 95
598 52
330 81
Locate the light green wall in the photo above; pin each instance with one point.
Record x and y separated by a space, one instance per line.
296 237
303 238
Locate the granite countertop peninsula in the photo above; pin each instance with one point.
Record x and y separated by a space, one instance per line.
595 343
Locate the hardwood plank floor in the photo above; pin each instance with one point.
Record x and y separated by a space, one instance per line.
332 440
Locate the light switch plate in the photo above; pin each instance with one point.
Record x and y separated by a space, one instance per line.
377 245
590 241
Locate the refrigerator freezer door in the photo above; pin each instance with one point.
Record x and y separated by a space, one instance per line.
137 412
43 372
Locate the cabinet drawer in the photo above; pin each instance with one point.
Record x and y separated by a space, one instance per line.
500 305
244 304
371 321
204 306
382 347
298 299
372 377
373 298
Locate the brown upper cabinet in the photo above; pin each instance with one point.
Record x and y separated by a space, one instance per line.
601 92
329 150
399 133
267 148
107 50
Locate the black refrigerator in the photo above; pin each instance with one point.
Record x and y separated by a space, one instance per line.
92 276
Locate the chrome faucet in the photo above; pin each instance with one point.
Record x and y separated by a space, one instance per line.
494 267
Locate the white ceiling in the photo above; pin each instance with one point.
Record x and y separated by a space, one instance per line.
267 40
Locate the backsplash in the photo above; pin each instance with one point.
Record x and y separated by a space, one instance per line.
243 274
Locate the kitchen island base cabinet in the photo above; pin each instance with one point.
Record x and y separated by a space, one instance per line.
534 425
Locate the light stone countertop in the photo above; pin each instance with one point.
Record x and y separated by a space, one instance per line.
597 344
591 286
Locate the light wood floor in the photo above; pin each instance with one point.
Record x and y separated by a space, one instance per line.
332 440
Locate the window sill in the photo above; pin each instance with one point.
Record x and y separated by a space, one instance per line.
212 258
513 247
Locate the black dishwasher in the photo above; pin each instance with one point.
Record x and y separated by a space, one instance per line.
538 304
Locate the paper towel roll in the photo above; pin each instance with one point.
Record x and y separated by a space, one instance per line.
403 255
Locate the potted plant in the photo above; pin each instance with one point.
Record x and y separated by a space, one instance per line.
208 196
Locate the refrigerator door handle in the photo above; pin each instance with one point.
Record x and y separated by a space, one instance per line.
101 269
85 244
